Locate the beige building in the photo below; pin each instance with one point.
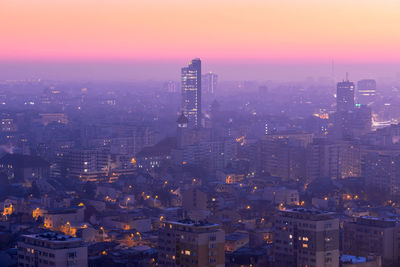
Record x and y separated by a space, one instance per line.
282 195
51 249
189 243
55 218
305 237
372 236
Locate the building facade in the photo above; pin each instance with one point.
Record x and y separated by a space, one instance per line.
372 236
210 82
366 91
306 238
189 243
191 92
51 249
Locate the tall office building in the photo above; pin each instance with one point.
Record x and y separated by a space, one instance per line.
306 238
345 96
366 91
191 244
344 109
191 92
209 82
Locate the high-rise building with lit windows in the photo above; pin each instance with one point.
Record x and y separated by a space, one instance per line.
345 106
306 237
191 92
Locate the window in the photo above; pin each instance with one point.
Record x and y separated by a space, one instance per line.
72 254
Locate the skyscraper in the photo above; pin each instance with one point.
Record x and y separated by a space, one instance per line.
210 81
345 96
345 108
366 91
191 92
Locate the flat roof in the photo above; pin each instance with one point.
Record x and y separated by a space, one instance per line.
188 222
51 236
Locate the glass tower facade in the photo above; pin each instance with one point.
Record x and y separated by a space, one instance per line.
191 92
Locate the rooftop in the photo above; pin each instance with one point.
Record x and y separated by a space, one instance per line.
188 222
51 236
307 214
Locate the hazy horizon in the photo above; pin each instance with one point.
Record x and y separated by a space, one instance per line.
228 70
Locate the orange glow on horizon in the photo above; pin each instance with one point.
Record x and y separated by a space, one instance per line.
307 30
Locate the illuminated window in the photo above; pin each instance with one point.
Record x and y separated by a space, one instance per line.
305 245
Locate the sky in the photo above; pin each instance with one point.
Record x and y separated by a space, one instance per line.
107 36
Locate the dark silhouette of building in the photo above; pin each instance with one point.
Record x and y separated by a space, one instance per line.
345 96
24 167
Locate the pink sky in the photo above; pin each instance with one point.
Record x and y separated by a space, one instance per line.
273 30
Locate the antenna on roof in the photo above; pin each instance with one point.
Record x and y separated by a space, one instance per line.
347 76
